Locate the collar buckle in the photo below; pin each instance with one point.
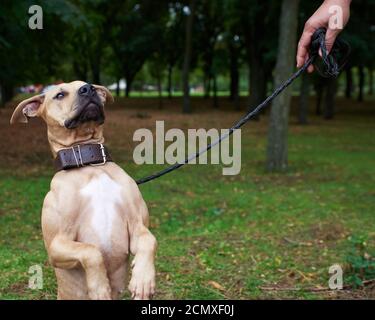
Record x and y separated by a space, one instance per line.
104 156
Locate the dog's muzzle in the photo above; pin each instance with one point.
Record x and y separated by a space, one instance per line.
90 108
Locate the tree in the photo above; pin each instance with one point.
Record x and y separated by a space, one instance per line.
210 24
329 98
349 82
157 66
304 99
258 22
277 151
235 44
25 55
187 57
173 42
135 36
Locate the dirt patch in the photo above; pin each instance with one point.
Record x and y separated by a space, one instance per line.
26 146
18 288
329 231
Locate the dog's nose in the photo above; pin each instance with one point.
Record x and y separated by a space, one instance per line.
86 90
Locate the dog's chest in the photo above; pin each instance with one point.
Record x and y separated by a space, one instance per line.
104 199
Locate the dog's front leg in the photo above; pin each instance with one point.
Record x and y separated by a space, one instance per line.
143 246
67 254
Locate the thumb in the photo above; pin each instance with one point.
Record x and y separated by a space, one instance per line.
331 36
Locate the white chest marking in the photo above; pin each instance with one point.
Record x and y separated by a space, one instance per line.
104 194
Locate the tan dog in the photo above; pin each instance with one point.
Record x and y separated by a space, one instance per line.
93 216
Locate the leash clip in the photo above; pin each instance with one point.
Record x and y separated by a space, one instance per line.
103 155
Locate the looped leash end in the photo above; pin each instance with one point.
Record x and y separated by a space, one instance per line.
331 63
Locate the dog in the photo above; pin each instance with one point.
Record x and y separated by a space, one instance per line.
94 216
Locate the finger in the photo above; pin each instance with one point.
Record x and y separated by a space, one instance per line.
303 46
331 36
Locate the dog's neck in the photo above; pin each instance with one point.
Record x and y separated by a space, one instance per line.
62 138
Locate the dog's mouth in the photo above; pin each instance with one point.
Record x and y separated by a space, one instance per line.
92 111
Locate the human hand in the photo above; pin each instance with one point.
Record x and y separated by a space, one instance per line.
327 16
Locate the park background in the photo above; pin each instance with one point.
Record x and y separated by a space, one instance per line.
270 232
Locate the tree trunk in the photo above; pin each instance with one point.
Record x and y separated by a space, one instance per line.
80 70
349 83
207 86
318 106
361 83
304 99
118 88
257 82
95 69
234 77
277 150
257 79
129 82
6 94
170 71
319 91
160 92
215 99
329 99
187 58
371 81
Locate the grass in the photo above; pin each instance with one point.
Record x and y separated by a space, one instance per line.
222 237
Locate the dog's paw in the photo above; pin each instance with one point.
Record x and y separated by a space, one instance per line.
142 284
100 293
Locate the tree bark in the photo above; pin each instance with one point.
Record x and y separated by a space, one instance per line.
160 92
80 70
349 83
118 88
318 106
215 99
277 149
361 83
371 81
234 76
187 59
319 85
257 80
95 67
207 86
170 71
329 98
304 99
7 93
128 87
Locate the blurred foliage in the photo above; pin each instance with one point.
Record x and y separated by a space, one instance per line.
360 261
104 41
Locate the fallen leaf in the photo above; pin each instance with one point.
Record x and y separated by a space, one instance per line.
216 285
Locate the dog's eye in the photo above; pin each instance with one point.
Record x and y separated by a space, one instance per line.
59 96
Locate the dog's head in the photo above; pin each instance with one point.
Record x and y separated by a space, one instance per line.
68 105
73 112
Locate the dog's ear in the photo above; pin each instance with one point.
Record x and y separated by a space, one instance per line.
104 94
27 109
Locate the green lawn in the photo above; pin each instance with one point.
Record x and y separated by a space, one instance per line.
226 237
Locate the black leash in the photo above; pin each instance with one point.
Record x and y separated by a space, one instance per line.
330 66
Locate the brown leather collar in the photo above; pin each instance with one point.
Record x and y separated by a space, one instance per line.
82 155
